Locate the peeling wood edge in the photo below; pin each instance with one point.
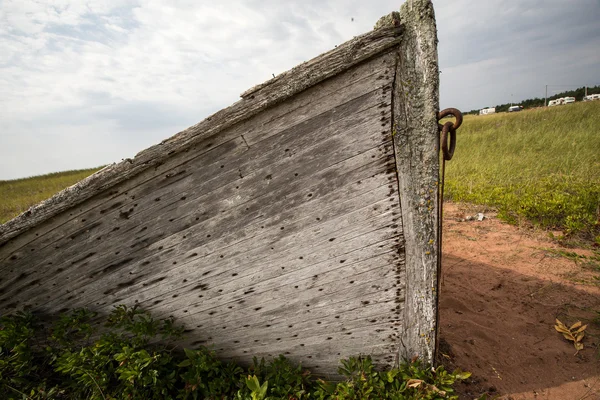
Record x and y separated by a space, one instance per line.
253 101
386 25
416 141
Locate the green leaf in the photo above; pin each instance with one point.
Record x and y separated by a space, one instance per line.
391 375
252 383
263 389
184 363
190 353
462 375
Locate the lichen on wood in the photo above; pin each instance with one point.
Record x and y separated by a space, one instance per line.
416 143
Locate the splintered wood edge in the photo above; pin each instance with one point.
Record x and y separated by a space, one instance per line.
253 101
415 106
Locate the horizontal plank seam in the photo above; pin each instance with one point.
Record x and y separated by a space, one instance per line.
287 273
375 244
253 262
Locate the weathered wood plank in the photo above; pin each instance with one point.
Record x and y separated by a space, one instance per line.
238 255
195 277
363 79
70 257
145 199
348 332
274 92
416 143
241 257
304 148
359 338
300 220
193 245
326 214
308 354
265 276
300 288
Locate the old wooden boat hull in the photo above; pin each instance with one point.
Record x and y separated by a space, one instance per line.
299 221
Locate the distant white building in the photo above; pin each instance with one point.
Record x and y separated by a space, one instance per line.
556 102
486 111
591 97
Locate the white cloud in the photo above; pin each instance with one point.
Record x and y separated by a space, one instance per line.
113 77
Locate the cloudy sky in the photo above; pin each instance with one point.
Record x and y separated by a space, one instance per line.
85 83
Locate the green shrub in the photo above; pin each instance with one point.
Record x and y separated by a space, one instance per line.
410 381
133 357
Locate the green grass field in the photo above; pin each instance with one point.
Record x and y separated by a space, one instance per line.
539 165
18 195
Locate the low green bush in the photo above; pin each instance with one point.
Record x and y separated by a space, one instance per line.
552 203
130 355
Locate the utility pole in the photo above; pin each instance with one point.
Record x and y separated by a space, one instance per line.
546 99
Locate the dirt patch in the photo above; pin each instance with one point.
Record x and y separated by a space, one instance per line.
502 289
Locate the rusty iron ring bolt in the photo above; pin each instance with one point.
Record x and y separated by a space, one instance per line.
449 129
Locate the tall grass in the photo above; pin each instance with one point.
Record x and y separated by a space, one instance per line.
542 165
18 195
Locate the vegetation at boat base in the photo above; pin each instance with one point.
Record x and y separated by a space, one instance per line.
132 356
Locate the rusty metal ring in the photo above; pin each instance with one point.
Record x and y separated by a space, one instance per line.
448 129
455 113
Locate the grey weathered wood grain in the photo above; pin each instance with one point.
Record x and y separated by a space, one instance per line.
416 137
271 276
298 221
125 245
189 245
357 336
296 142
241 252
134 223
293 296
187 252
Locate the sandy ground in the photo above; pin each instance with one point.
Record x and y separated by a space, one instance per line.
501 293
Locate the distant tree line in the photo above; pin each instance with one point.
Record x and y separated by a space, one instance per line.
578 93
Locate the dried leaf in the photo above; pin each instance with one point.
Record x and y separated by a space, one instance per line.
575 325
561 329
414 383
437 391
575 333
